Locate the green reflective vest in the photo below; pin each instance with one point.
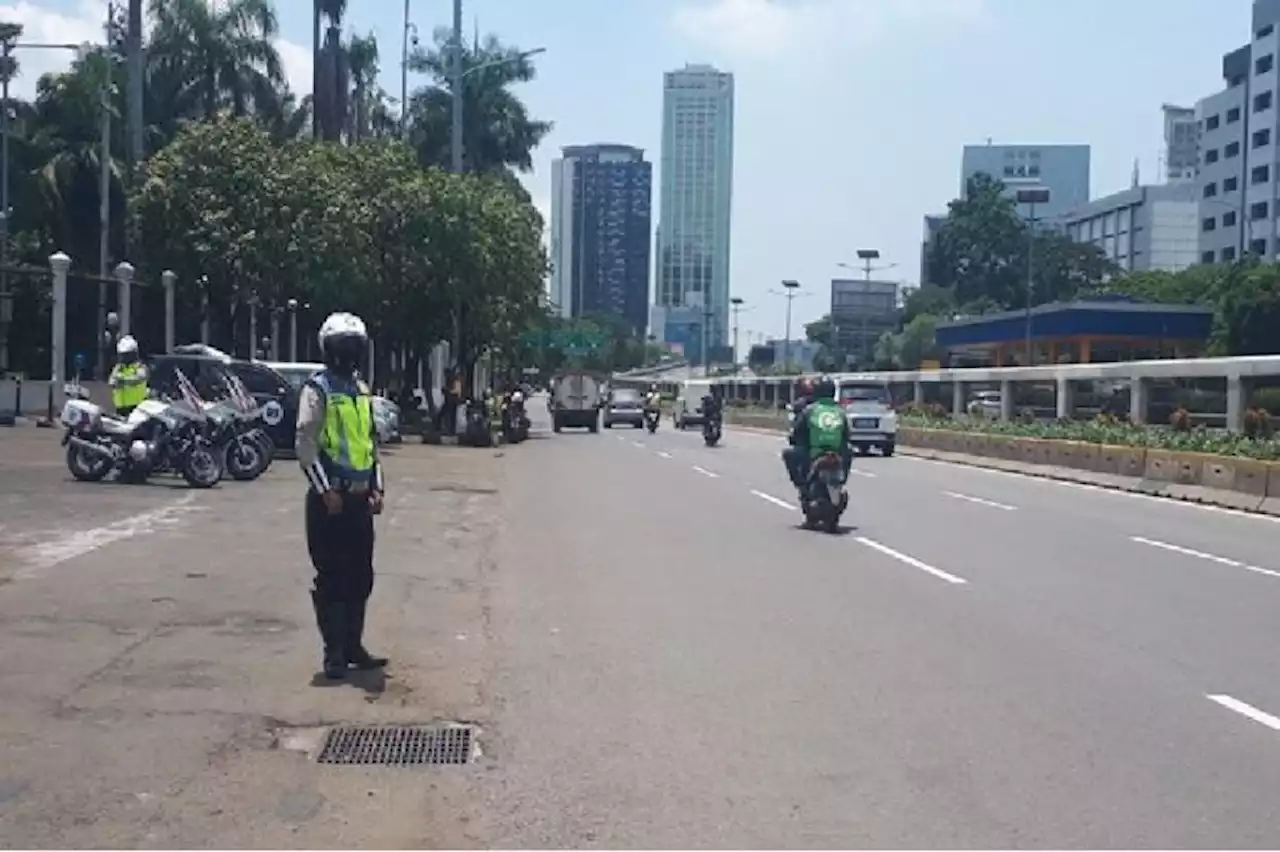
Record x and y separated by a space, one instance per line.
128 385
346 442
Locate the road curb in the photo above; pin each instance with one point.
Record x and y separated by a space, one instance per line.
1197 495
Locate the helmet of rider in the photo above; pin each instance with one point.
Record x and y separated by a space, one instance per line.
824 388
804 386
127 349
344 340
653 387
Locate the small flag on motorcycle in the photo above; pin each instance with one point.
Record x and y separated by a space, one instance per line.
189 394
239 394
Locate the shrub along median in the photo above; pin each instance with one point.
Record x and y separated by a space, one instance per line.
1179 456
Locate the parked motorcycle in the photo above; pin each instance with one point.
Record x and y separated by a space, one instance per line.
475 432
238 441
651 417
824 498
160 436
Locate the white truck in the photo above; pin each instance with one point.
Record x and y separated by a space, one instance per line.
575 402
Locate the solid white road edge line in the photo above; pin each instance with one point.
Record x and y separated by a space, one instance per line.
1085 486
705 472
980 501
774 500
1186 551
912 561
1246 710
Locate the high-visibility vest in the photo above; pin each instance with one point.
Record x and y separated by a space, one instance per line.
129 385
346 441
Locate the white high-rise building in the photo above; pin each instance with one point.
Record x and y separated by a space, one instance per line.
1181 144
695 205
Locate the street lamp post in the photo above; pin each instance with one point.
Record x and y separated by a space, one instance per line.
293 330
789 290
1031 197
735 303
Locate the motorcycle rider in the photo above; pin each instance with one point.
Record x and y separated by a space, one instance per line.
337 447
802 394
821 427
128 379
711 409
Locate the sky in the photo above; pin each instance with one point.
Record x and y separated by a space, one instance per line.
850 114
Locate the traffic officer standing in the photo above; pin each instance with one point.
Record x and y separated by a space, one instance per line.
128 379
338 449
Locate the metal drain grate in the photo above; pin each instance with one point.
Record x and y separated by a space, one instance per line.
400 745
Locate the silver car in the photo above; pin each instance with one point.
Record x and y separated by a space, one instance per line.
625 406
386 420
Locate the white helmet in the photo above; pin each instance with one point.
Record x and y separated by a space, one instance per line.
127 345
342 324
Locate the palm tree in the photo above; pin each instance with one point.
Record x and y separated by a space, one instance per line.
500 136
362 56
211 59
332 72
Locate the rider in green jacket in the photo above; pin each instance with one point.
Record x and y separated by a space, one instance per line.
822 428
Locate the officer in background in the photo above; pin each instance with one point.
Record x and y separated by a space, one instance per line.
338 449
128 379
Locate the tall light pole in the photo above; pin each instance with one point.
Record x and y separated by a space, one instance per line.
866 257
789 292
455 83
1031 197
735 302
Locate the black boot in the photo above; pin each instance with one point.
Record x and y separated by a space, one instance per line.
330 617
356 653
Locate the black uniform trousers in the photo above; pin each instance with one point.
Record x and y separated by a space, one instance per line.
341 549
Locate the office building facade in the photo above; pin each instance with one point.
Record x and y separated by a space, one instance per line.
695 206
1061 169
600 233
1142 228
1237 181
1181 144
861 311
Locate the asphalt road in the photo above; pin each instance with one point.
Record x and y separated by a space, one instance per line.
982 660
657 656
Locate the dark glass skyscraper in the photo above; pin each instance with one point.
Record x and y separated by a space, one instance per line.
601 202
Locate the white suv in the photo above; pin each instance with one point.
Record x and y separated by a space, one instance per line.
869 407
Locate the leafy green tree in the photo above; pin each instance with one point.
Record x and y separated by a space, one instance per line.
499 134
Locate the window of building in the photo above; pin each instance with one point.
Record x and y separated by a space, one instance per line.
1210 190
1258 247
1229 219
1265 31
1260 174
1232 150
1262 137
1258 210
1206 257
1233 115
1263 64
1211 156
1230 184
1209 224
1211 123
1262 101
1229 254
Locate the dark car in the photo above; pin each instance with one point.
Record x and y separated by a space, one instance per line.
207 368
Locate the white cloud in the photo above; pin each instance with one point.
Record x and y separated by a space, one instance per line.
85 23
766 29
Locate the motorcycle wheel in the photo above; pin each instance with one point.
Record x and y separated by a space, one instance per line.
244 459
87 466
201 467
265 443
831 522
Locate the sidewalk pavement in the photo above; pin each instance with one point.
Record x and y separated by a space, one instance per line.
160 657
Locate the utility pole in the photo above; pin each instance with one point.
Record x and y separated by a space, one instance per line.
104 204
410 39
455 83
